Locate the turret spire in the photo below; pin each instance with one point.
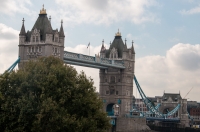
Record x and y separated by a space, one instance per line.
132 48
23 31
61 33
103 47
125 43
50 19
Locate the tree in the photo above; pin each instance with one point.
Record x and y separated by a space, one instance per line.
47 95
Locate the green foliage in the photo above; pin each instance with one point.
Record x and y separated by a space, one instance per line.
47 95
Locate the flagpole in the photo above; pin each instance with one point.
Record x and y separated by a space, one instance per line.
88 47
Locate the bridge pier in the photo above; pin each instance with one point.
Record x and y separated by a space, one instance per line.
184 120
131 124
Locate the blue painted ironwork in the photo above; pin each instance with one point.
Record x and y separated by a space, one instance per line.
91 61
153 110
189 116
119 101
13 65
112 121
110 110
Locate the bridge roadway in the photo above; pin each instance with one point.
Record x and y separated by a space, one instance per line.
91 61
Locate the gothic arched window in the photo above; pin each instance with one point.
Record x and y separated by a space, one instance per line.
33 39
113 53
112 79
37 39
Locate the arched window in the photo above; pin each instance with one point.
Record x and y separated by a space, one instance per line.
56 39
113 53
105 79
40 49
32 49
33 39
37 39
112 79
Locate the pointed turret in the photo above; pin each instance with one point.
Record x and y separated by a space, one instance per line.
125 46
61 33
23 31
132 48
43 24
102 47
117 44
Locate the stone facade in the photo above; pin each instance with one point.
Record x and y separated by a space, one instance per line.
116 85
135 124
42 40
169 101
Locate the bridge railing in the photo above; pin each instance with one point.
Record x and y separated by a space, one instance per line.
86 57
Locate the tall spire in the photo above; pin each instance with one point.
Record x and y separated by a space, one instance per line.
132 48
23 31
102 47
50 19
61 33
125 43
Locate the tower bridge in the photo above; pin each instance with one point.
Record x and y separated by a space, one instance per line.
116 72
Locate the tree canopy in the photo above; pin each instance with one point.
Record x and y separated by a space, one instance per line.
47 95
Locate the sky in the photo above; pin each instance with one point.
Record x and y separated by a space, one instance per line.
165 34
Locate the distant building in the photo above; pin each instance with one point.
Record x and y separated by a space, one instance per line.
140 105
193 109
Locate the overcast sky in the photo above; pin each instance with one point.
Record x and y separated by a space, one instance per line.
166 35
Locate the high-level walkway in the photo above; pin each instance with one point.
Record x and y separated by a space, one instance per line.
91 61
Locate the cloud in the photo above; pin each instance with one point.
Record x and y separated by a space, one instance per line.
11 7
185 56
8 46
106 11
194 10
177 71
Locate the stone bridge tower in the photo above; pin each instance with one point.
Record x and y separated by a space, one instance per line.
42 40
169 101
116 85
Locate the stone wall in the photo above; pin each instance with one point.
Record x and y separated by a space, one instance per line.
134 124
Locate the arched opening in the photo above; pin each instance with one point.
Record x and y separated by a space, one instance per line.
167 110
112 79
109 109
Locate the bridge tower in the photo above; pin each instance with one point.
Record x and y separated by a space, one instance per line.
42 40
116 85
